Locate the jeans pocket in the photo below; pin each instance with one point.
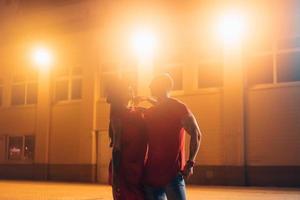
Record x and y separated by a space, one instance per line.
180 180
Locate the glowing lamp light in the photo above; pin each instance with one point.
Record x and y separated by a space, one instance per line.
144 43
42 58
232 27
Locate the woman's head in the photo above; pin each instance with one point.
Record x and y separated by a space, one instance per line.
118 92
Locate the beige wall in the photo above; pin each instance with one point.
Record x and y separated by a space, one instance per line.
274 126
24 117
65 133
207 109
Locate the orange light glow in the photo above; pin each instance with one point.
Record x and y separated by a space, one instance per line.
144 43
232 27
42 58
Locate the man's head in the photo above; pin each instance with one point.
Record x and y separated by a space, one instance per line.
161 85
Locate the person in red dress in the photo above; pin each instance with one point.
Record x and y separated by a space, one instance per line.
129 145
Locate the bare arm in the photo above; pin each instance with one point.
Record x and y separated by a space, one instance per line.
190 125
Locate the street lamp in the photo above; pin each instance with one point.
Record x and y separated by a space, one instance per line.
144 44
232 27
42 58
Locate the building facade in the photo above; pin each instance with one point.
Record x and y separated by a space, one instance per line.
245 96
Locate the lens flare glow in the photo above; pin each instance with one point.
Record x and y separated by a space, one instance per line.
144 43
42 58
232 27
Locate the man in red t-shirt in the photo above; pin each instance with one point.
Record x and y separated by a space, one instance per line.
165 123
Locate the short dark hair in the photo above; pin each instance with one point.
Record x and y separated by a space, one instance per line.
163 81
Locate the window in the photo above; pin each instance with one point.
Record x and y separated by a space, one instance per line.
111 71
288 59
175 71
280 65
68 84
210 74
260 70
29 143
24 89
21 148
288 67
15 148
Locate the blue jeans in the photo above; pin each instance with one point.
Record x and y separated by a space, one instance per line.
175 190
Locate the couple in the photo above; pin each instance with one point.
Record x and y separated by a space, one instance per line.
148 159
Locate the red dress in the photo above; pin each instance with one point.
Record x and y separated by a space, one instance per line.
133 151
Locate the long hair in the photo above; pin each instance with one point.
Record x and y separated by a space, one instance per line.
117 94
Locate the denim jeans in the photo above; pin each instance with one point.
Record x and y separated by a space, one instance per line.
175 190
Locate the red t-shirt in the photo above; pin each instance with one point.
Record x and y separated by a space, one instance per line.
166 142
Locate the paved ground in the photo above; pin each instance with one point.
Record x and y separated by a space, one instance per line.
11 190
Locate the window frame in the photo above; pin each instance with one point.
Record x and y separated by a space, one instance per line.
274 70
69 77
275 51
22 160
26 82
285 51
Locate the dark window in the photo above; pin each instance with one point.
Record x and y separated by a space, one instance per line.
260 70
18 94
61 90
288 67
32 89
76 89
24 88
15 148
29 147
210 74
68 84
21 147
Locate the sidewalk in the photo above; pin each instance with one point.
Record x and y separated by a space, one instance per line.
23 190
